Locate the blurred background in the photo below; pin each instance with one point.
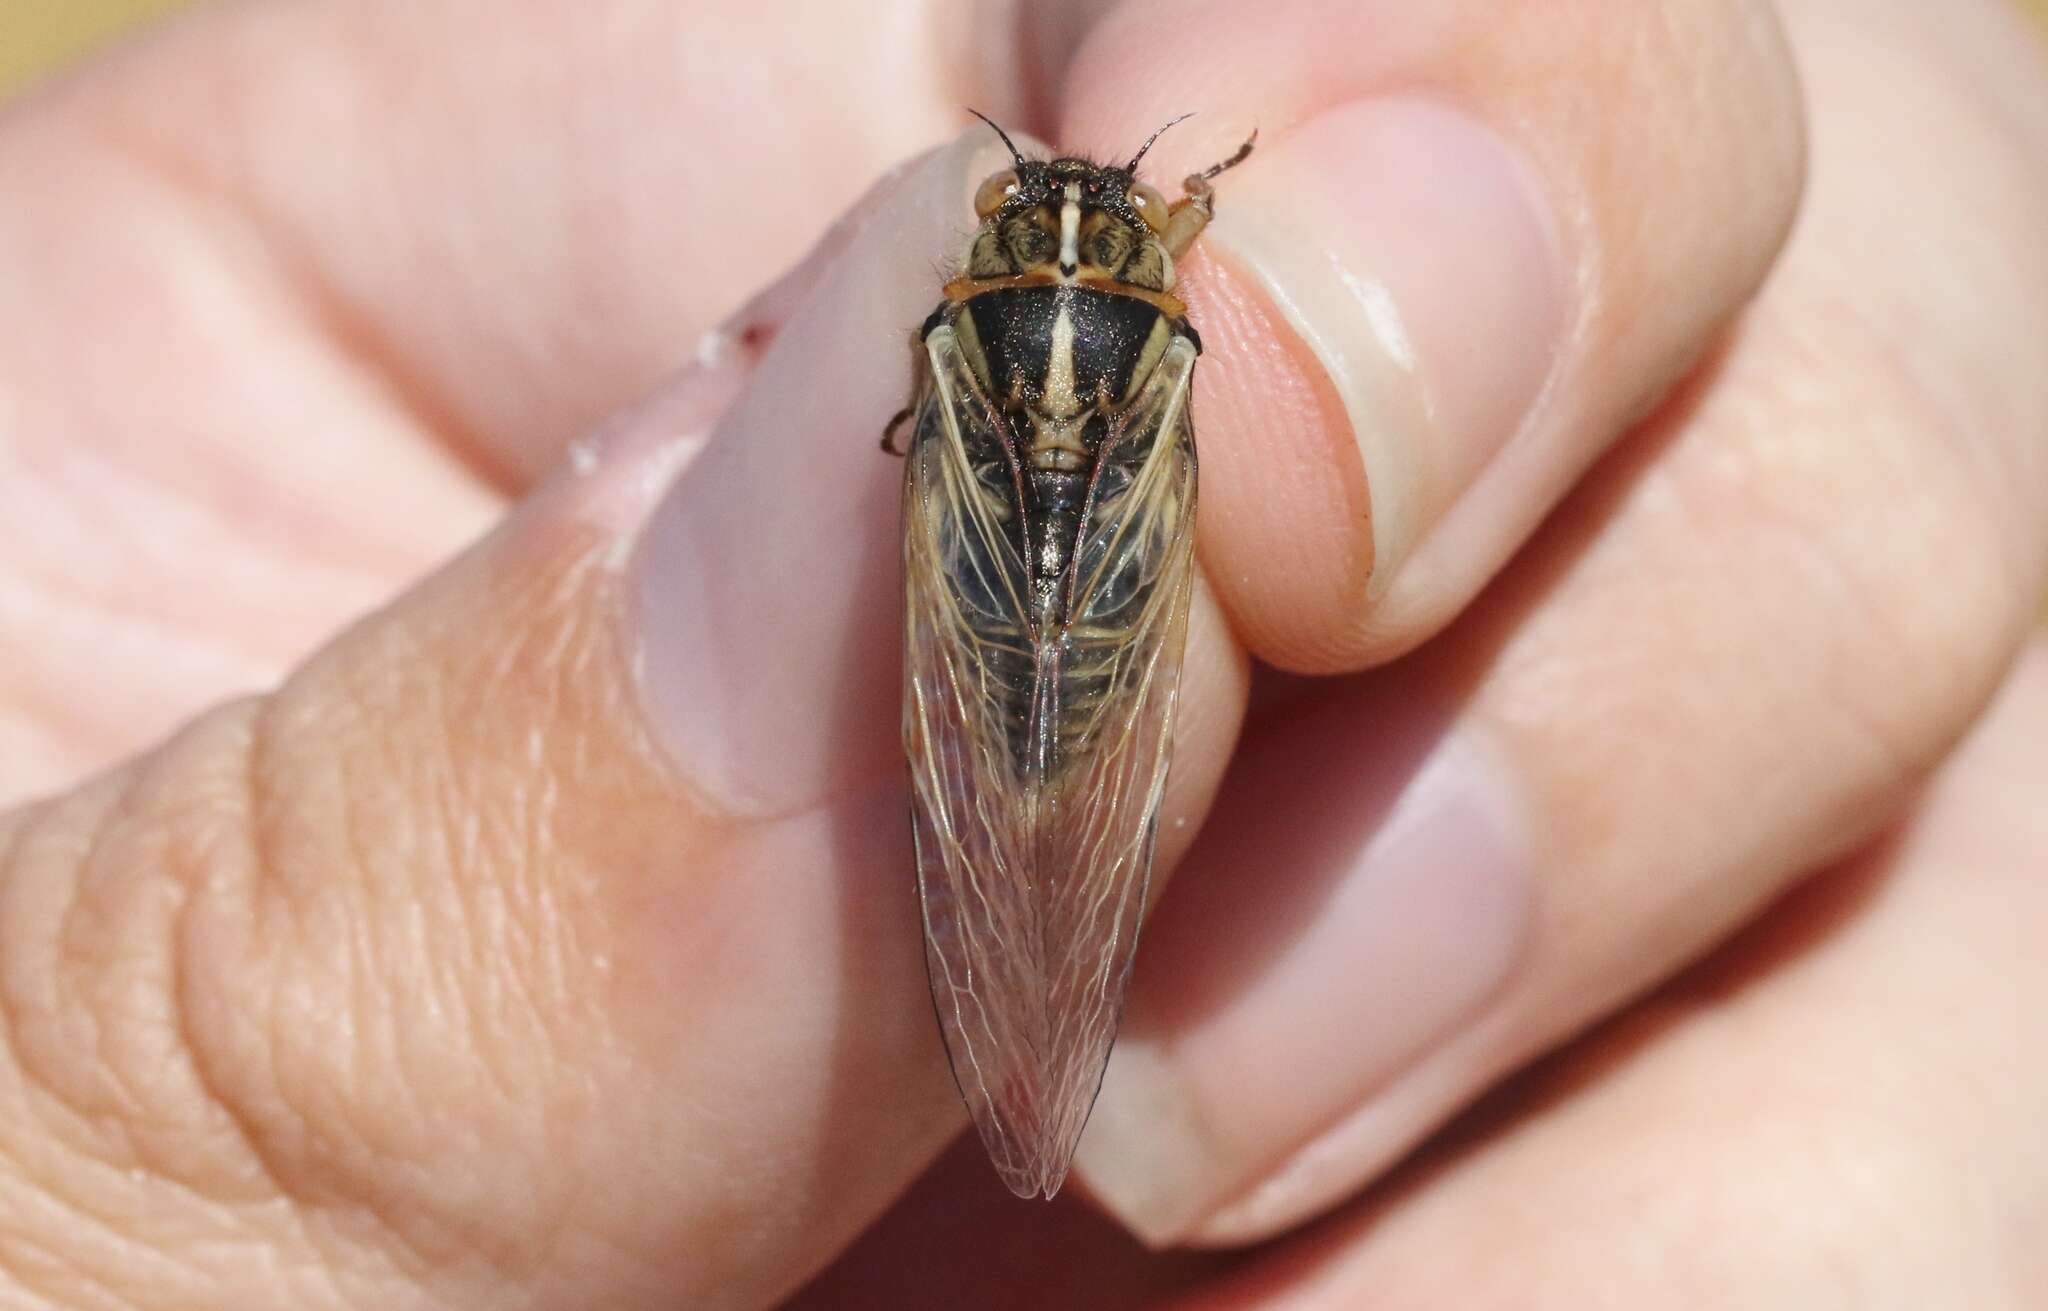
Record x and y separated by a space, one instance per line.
37 35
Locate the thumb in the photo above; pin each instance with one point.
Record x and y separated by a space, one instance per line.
515 952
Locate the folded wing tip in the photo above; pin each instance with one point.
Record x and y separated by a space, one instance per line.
1038 1176
1030 1140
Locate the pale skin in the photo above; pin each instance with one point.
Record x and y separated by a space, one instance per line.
545 939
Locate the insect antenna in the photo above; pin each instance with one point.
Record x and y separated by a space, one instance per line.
1015 153
1132 167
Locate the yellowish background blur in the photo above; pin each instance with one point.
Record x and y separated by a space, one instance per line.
39 34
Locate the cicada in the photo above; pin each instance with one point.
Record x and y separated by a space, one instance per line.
1048 549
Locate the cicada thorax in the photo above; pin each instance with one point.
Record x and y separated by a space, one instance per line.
1060 364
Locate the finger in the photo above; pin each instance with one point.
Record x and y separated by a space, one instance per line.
1839 1109
1727 656
461 969
528 216
1445 280
274 361
279 262
523 218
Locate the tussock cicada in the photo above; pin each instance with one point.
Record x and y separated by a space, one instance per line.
1048 546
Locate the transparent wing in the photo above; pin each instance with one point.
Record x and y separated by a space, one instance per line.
969 659
1119 681
1033 879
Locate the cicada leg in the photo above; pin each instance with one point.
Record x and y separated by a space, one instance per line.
894 426
920 376
1186 217
920 371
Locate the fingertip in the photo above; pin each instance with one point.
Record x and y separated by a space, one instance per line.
1287 531
1389 296
1491 281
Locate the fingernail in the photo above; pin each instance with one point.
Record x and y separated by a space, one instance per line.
765 589
1356 915
1410 246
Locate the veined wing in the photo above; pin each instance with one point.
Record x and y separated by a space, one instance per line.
1119 681
1033 882
969 663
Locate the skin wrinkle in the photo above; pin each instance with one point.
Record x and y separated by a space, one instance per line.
123 489
1958 414
1999 482
208 888
55 1094
50 603
353 337
346 1228
328 318
56 603
60 1277
1932 655
1821 558
1994 169
383 1075
213 206
357 1220
131 799
195 506
511 1253
77 1094
111 1246
574 607
18 830
1688 480
371 988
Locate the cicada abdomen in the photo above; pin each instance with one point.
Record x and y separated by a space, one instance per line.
1049 512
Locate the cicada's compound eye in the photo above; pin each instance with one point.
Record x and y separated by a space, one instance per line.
995 191
1151 206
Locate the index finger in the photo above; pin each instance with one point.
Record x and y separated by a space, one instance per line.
1477 243
520 217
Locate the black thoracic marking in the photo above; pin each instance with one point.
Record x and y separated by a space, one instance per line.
1015 328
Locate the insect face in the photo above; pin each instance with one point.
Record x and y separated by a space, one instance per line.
1071 221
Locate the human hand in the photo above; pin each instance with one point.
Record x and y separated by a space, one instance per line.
546 938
